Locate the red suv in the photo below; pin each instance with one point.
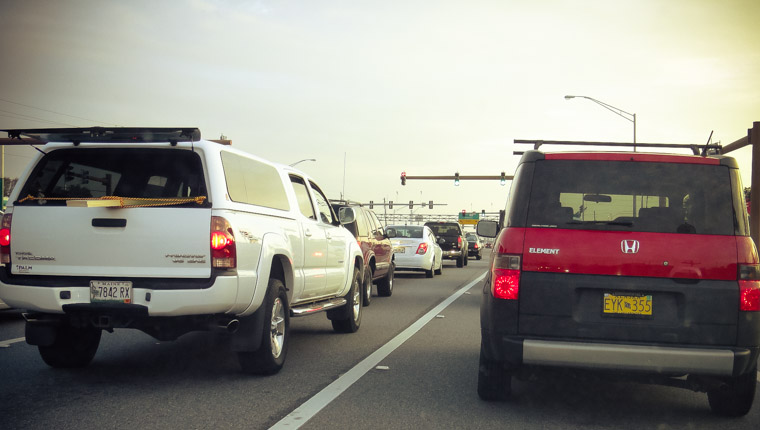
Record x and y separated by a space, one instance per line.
379 263
634 264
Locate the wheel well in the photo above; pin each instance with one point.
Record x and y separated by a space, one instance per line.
282 270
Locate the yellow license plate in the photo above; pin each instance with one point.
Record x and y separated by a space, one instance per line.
627 305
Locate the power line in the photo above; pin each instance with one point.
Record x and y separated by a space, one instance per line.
14 115
57 113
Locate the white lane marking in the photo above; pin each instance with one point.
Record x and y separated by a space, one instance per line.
7 343
311 407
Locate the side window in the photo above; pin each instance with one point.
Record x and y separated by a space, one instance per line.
361 223
302 195
323 205
253 182
378 225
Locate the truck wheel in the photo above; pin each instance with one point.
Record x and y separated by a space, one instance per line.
269 358
479 257
460 261
367 292
494 383
439 270
73 347
385 285
351 316
734 399
430 273
466 259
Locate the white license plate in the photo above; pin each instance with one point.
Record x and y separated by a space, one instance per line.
111 291
400 250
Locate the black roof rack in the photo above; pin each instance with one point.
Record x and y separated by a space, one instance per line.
702 150
109 134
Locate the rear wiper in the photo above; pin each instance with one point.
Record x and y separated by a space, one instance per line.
623 223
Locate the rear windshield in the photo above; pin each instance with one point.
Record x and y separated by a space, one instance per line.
627 196
412 232
97 172
444 229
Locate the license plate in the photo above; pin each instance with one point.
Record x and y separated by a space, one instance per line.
627 305
111 291
399 250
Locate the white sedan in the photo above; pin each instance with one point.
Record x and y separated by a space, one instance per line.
415 248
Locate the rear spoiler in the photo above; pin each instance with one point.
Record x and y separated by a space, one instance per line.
109 134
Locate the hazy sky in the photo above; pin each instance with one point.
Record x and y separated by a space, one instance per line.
427 87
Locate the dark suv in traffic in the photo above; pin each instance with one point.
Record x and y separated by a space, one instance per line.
376 247
452 240
638 265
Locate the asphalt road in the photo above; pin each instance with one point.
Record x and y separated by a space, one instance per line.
412 364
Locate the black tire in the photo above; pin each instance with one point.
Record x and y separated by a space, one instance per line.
479 257
734 399
385 285
430 273
367 290
269 358
439 270
348 319
494 383
466 259
73 347
460 261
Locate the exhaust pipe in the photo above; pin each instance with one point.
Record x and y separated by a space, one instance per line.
233 326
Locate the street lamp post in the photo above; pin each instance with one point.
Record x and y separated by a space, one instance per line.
620 112
301 161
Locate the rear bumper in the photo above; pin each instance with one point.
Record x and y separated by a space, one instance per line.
649 359
218 298
452 255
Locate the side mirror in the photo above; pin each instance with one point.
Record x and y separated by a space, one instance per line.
346 215
487 228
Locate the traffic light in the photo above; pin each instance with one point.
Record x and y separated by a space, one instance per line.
503 178
456 179
403 178
411 204
371 204
430 205
390 204
483 212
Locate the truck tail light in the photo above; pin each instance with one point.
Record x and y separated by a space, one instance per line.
422 248
749 287
505 277
5 239
223 250
459 242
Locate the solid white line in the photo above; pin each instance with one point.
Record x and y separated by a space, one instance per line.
7 343
311 407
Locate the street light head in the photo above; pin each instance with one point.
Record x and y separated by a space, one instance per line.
569 97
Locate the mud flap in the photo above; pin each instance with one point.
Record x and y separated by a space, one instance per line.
41 332
248 336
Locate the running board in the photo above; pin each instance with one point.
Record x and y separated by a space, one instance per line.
311 308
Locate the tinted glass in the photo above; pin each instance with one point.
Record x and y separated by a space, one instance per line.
653 197
303 198
253 182
361 223
408 231
98 172
325 213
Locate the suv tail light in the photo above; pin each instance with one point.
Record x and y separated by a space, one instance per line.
5 239
749 287
459 242
505 277
422 248
223 250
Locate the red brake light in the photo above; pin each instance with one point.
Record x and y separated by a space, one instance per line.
422 248
749 287
459 242
505 277
223 250
5 239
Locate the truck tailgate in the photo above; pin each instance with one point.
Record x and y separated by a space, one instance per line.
107 242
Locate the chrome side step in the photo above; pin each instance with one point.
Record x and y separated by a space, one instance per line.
311 308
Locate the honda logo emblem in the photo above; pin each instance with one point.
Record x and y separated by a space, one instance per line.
629 246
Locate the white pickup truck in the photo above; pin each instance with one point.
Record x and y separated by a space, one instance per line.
160 231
